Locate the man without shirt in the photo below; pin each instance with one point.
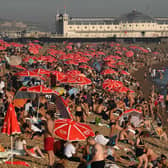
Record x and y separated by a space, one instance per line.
98 152
49 137
152 157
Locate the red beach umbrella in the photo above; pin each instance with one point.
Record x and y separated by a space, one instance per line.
2 48
120 63
124 73
10 125
70 130
156 53
85 67
81 80
100 53
33 50
110 84
108 71
69 80
71 62
40 89
41 71
73 72
118 52
29 73
129 54
59 75
123 89
111 65
109 58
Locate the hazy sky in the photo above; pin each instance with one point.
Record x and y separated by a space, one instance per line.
43 11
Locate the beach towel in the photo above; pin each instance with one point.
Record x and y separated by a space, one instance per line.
22 163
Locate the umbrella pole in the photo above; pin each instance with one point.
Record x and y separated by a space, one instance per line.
38 106
12 148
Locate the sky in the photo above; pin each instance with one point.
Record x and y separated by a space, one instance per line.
43 11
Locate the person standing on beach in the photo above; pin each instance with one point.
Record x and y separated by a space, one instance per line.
145 75
49 137
166 101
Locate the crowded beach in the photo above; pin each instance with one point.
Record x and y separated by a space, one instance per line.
82 105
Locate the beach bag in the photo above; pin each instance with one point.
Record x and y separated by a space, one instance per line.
2 148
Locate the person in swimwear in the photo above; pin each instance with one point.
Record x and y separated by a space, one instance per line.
49 137
22 149
98 154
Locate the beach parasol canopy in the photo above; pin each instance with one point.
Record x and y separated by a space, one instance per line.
108 71
110 84
2 48
73 72
129 54
109 58
29 73
123 89
85 67
135 114
41 71
59 75
41 89
81 80
118 52
124 73
70 130
120 63
71 62
10 125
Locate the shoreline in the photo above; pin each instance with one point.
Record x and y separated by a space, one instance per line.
146 86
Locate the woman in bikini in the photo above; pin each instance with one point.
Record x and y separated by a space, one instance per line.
79 111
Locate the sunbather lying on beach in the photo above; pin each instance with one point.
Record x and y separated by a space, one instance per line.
22 149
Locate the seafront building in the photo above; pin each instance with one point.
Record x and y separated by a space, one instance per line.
131 25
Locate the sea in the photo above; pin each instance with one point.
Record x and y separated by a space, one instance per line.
161 84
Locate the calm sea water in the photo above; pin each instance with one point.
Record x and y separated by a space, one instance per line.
162 83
